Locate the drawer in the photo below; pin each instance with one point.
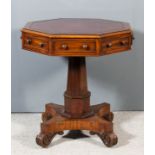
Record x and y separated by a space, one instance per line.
35 43
74 46
114 45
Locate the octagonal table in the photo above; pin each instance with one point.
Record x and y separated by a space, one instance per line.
77 39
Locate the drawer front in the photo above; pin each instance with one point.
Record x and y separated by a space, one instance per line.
74 47
36 43
115 45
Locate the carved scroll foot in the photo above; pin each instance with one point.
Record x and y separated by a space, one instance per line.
109 139
44 139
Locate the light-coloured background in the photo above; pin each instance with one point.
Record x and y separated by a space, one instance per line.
38 79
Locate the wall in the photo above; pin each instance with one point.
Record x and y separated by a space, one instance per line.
38 79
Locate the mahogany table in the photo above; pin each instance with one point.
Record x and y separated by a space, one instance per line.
77 39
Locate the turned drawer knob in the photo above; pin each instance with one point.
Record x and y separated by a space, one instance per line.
41 44
109 45
85 46
29 41
123 43
64 46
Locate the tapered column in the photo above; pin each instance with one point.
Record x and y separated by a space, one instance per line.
77 96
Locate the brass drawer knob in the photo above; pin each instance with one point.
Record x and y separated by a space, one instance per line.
64 46
41 45
85 46
109 45
29 41
123 43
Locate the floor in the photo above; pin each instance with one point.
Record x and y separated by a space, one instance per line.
128 126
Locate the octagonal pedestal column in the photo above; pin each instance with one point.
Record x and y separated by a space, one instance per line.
77 96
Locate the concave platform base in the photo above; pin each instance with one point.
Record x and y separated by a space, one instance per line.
54 123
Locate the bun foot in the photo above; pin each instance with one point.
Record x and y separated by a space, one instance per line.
44 139
109 139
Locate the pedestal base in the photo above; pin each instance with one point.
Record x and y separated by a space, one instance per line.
55 123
